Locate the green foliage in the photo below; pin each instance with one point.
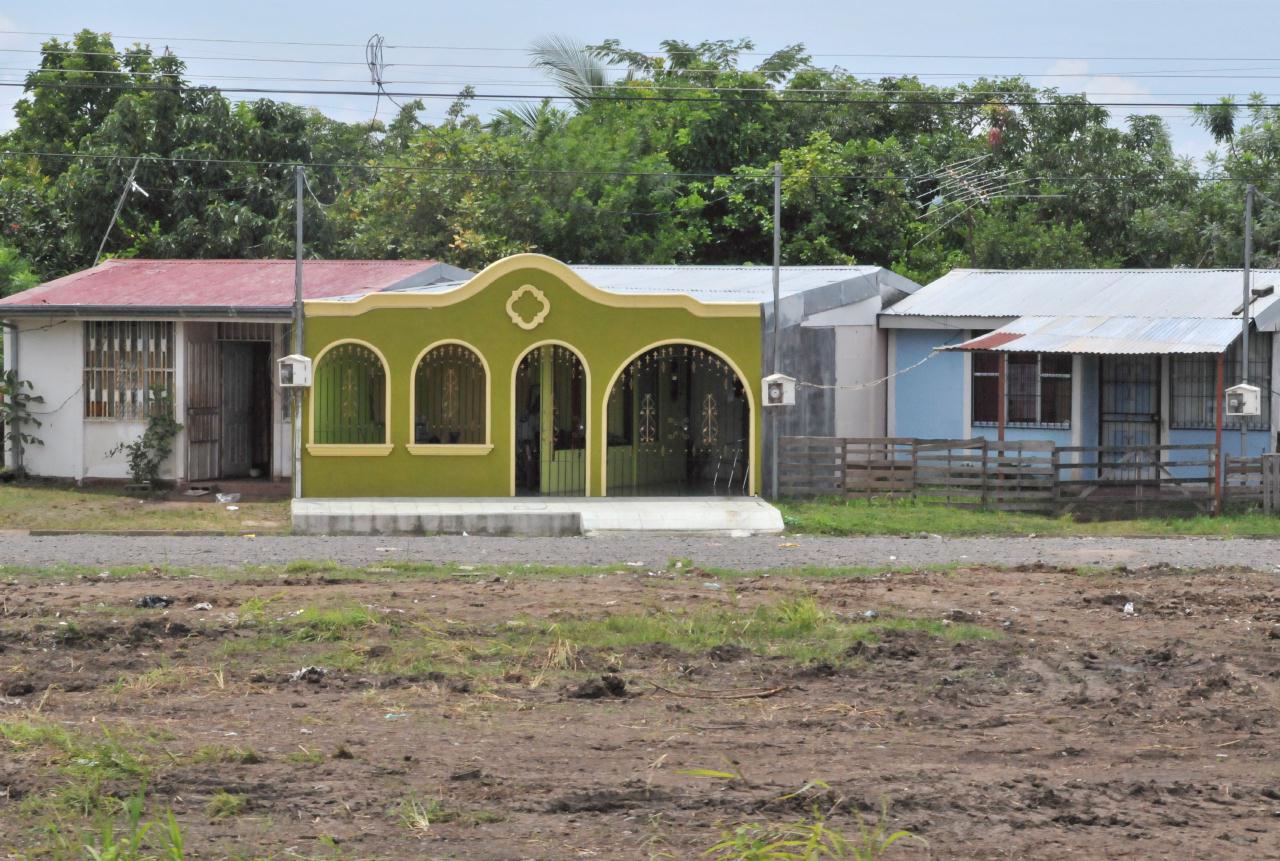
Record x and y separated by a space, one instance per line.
225 804
16 273
15 413
148 452
797 629
673 171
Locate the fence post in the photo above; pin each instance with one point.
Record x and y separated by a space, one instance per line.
1055 464
915 464
986 471
1217 476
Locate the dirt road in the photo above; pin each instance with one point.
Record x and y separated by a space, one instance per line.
654 550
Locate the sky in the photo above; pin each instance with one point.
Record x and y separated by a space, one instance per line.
1120 51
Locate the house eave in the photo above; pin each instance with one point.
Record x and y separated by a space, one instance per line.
151 311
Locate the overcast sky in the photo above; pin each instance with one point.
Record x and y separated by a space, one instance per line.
1116 51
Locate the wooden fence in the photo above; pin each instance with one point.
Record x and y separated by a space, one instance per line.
1254 481
1021 475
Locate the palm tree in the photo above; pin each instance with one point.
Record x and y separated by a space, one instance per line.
579 70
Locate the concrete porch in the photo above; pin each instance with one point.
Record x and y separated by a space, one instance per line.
732 516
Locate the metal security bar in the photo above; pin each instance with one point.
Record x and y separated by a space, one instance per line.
1193 380
124 361
678 425
550 423
350 397
449 397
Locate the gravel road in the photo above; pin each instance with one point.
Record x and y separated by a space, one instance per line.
739 553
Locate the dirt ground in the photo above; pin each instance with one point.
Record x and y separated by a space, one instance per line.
1075 730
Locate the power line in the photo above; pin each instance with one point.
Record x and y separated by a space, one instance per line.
187 76
882 100
1154 73
661 52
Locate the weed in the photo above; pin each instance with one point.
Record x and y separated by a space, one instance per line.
795 628
305 757
809 838
218 753
225 804
309 566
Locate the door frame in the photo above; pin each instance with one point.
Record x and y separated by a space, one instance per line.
586 407
1156 423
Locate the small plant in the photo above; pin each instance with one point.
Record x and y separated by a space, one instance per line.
15 414
147 454
226 804
809 838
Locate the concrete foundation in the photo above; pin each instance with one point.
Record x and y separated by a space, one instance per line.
536 517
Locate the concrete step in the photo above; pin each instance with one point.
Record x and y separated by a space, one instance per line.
536 517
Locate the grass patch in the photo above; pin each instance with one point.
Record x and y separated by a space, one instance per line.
42 506
910 517
221 754
797 629
419 815
225 805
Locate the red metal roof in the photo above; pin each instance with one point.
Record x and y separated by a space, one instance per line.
211 284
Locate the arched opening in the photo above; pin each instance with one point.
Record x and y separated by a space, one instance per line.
349 397
450 403
678 424
551 423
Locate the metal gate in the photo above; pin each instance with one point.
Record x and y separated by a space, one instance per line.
678 424
204 401
1129 415
550 423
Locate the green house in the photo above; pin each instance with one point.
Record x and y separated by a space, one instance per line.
528 380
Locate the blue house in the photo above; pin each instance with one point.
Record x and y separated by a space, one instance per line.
1082 358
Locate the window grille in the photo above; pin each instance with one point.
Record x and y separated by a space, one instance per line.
449 397
1037 389
1193 381
350 394
124 362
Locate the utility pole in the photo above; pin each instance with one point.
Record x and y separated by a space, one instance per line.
777 312
1244 314
298 181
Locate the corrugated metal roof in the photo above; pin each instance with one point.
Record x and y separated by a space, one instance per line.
1108 335
713 284
225 284
1101 292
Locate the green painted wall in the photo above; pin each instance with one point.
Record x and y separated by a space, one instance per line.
606 338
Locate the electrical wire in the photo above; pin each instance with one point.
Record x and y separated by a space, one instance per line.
884 100
187 76
670 53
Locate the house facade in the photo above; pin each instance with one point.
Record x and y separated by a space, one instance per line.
535 378
531 378
1082 358
97 343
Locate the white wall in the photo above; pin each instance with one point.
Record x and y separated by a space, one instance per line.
50 355
861 359
102 435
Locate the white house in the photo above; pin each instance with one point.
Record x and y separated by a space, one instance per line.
93 343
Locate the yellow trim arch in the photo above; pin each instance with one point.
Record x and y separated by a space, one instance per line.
747 388
351 449
458 449
516 263
586 405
